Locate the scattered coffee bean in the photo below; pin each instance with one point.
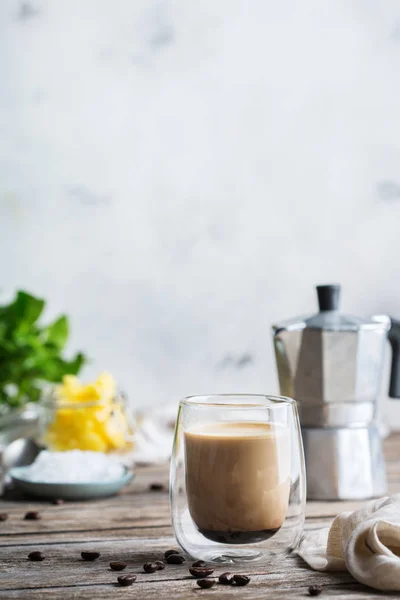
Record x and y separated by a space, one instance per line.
160 565
127 579
32 515
36 556
175 559
118 565
3 516
226 578
90 555
156 487
150 567
169 552
205 583
241 579
314 590
201 571
199 563
58 501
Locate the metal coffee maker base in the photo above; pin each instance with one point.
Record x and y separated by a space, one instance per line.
344 464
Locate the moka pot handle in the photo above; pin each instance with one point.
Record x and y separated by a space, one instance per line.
394 339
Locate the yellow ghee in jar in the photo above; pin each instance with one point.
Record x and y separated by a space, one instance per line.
87 416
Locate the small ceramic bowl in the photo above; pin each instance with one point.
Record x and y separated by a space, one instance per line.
69 491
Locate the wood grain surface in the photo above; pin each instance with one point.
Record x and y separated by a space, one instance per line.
135 527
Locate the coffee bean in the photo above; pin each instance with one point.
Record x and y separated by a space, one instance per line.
3 516
201 571
58 501
205 583
156 487
170 552
90 555
150 567
199 563
314 590
127 579
118 565
241 579
175 559
36 556
32 515
160 565
226 578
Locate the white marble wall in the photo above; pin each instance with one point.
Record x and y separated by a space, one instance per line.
176 175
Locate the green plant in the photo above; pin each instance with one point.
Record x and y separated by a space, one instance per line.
31 354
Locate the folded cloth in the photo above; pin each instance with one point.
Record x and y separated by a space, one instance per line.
365 542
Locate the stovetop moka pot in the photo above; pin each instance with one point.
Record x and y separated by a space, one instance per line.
332 363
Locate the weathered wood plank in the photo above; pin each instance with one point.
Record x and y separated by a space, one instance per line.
68 537
87 517
261 586
143 510
181 591
125 533
64 567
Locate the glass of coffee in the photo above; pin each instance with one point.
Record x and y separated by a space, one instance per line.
237 478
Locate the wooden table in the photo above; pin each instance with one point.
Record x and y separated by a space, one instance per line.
135 527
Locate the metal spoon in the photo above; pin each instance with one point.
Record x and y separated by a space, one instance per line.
20 453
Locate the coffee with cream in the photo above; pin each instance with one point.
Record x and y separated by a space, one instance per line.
238 480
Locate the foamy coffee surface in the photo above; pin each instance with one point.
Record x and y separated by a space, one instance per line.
238 477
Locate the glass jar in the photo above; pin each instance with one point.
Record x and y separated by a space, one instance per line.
101 426
22 422
237 483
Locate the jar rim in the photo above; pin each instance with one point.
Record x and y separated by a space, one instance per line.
53 402
238 401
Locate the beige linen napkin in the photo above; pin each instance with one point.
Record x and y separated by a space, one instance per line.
365 542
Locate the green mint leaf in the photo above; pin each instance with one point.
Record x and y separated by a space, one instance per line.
76 364
57 333
54 369
31 354
26 308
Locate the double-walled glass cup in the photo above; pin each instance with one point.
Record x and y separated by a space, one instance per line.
237 481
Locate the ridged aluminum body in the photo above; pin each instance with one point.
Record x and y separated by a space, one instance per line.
332 364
